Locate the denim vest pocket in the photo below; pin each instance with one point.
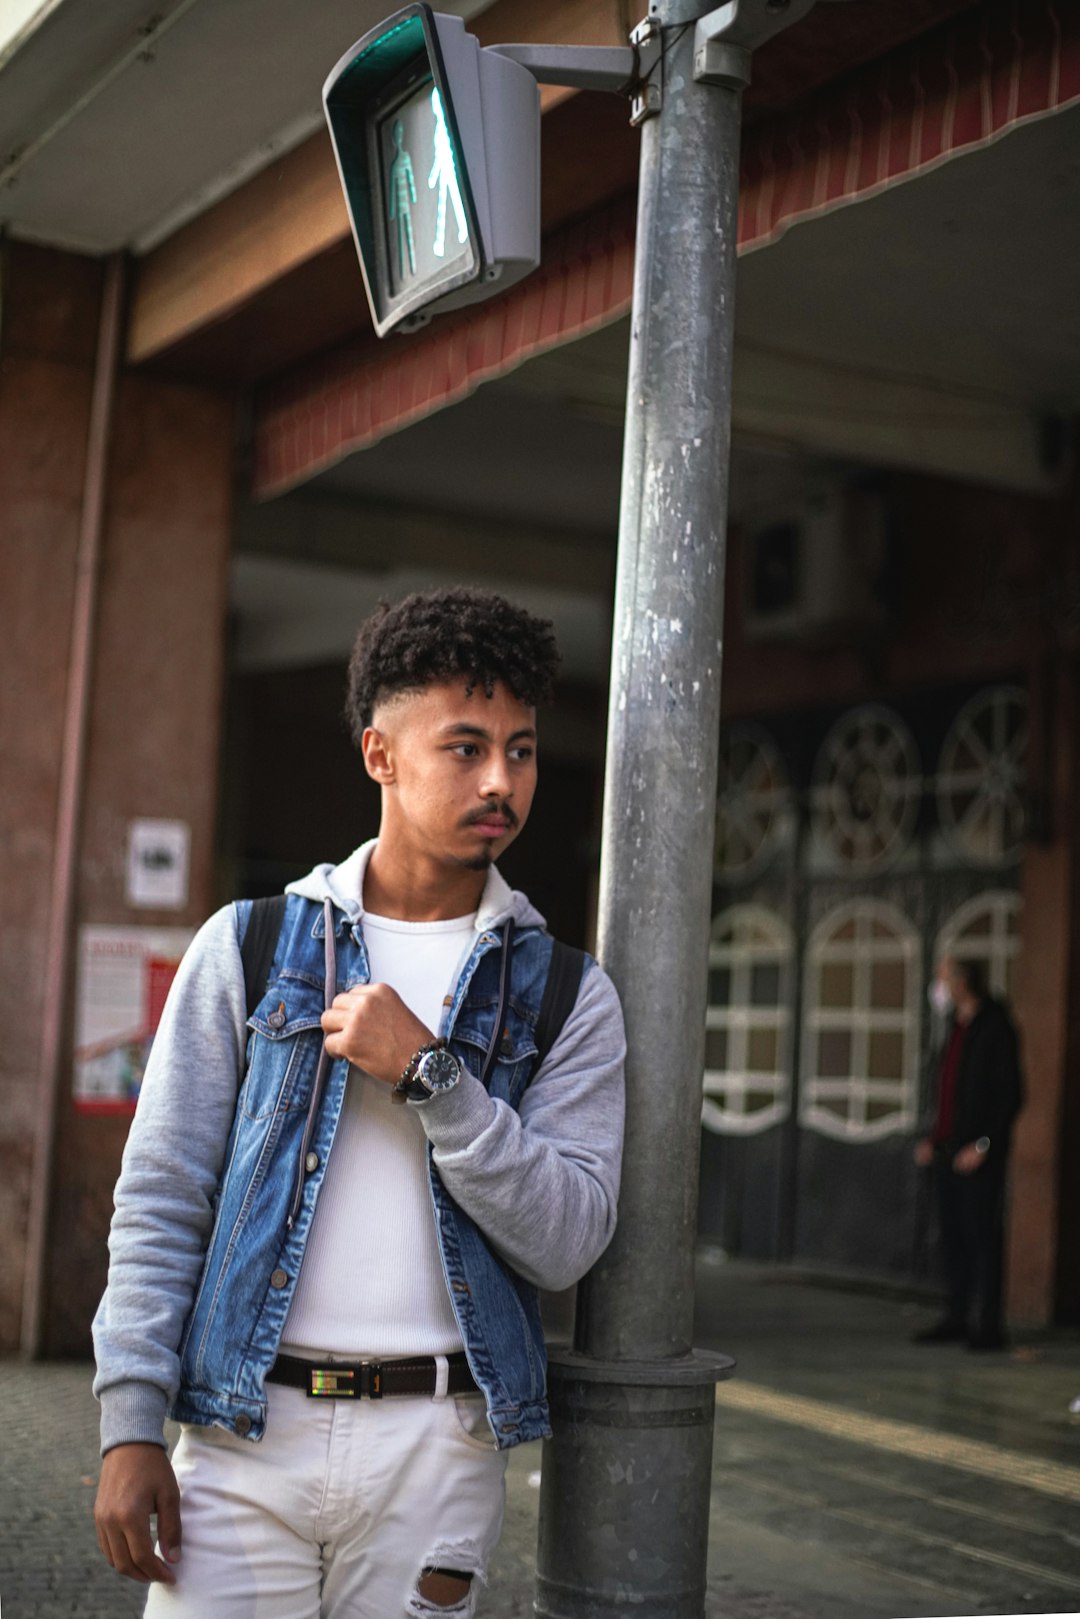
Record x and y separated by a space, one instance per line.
283 1047
515 1054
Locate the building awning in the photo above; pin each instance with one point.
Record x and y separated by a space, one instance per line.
953 91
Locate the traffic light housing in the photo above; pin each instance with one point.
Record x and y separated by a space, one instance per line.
438 148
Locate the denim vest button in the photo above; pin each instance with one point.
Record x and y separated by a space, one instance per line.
311 1162
242 1425
278 1019
280 1278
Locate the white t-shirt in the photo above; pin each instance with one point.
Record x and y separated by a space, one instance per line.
372 1282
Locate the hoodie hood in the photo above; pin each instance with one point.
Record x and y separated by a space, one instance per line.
343 885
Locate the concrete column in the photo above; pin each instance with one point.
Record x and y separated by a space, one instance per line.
48 327
1041 1277
153 734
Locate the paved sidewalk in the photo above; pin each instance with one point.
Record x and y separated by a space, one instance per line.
855 1477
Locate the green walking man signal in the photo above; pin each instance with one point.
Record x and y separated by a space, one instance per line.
444 175
438 148
418 96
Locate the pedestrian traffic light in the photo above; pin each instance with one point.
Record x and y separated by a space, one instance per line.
438 148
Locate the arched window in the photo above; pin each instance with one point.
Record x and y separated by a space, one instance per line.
747 1084
986 929
861 1023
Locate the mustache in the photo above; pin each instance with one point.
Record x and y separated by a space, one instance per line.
502 810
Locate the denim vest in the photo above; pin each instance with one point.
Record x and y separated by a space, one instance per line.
253 1259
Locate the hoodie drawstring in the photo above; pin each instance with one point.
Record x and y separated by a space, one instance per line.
329 991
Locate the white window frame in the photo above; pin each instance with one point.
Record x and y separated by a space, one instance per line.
860 1020
734 1082
996 949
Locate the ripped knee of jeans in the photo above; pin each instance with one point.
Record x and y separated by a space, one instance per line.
446 1584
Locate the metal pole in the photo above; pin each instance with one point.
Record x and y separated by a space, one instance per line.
624 1505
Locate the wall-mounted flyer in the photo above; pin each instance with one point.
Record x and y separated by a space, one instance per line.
157 864
124 974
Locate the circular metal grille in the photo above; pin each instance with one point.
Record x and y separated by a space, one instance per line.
866 788
981 776
752 794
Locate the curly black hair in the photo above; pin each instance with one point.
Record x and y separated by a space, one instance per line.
434 635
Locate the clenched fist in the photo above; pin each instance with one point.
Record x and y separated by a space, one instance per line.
374 1029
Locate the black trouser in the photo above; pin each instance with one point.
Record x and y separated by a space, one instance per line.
971 1210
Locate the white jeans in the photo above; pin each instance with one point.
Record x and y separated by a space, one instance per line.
336 1512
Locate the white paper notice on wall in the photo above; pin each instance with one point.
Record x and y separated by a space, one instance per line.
124 975
157 865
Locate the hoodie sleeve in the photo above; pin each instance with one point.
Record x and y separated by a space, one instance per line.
542 1183
168 1178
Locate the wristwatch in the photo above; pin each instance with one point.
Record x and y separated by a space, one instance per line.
982 1145
431 1072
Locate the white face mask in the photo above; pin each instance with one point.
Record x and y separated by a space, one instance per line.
940 997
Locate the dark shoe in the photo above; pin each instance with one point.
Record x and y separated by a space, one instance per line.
986 1340
945 1331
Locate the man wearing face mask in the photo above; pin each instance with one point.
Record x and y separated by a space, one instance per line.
979 1093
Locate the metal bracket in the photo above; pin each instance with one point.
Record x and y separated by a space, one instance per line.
581 67
725 40
648 91
631 70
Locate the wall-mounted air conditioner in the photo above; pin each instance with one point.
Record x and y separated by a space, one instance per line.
814 568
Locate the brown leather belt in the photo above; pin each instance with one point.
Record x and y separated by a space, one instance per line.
353 1379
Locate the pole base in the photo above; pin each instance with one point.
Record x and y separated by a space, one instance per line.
625 1487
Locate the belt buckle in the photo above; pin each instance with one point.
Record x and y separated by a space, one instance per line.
331 1383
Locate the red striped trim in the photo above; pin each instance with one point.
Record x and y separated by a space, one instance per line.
952 91
364 392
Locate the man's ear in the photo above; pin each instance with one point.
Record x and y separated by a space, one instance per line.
374 746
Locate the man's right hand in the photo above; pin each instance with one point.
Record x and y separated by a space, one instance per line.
137 1480
924 1153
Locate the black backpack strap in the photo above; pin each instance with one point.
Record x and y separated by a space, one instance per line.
504 998
260 942
560 995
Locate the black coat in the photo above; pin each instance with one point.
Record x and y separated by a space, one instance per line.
989 1084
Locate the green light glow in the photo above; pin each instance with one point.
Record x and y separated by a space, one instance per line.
427 227
444 175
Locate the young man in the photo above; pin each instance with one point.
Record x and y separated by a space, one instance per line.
337 1296
978 1095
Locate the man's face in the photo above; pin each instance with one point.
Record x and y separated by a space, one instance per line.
458 770
953 980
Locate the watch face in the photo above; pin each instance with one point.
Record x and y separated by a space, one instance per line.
438 1071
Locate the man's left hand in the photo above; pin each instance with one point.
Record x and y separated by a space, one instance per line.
968 1159
372 1026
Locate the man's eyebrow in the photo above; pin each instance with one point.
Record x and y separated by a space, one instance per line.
462 728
